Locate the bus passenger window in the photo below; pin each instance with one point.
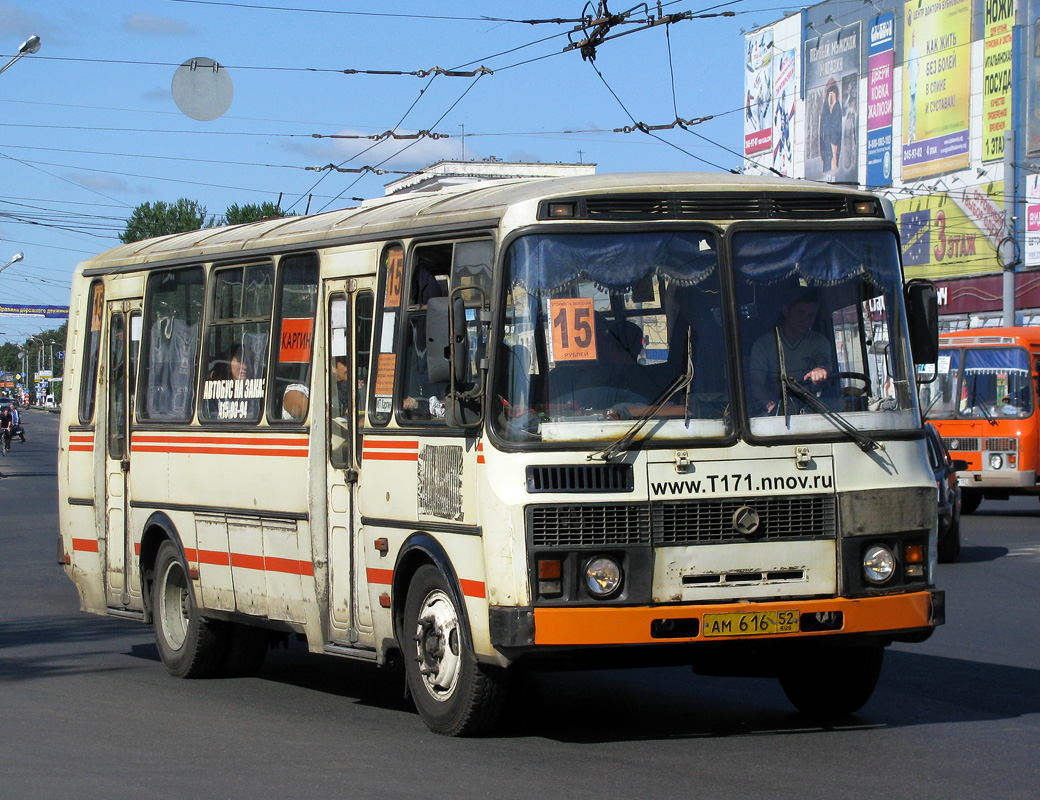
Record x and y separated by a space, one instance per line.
289 396
169 351
339 382
236 344
91 351
384 362
422 399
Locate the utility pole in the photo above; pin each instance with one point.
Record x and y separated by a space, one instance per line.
1007 243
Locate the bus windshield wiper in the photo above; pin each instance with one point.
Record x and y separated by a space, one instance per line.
679 384
866 443
980 406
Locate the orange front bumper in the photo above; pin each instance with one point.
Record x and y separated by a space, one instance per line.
631 625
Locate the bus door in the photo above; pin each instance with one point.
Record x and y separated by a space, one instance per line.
349 306
124 339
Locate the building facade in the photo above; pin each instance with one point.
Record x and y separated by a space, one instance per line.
934 104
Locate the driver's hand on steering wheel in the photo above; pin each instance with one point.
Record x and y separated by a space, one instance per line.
817 375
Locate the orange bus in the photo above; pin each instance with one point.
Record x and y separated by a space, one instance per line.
983 401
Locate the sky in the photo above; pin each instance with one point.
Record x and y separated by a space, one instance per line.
89 128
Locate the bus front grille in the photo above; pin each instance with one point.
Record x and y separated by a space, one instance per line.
684 522
681 522
592 525
961 444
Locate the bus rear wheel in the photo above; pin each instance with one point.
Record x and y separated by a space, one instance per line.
453 693
833 681
189 645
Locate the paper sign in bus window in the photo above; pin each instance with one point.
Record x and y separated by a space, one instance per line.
296 341
394 277
572 329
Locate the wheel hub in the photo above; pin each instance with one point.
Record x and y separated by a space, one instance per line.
438 649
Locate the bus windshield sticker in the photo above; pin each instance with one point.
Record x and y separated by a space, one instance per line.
573 330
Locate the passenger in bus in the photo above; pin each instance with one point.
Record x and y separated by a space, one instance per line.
229 367
805 354
341 370
295 400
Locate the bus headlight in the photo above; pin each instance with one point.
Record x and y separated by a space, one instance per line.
602 576
996 461
878 564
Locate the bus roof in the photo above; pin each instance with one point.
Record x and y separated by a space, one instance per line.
1022 336
479 204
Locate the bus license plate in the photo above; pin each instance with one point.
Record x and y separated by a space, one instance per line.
754 623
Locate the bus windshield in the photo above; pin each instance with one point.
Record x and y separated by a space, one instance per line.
821 331
599 328
983 383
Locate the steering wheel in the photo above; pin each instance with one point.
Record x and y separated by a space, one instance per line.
860 391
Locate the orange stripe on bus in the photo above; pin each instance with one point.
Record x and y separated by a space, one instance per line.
367 456
381 576
615 625
219 451
223 439
81 448
85 545
392 443
473 588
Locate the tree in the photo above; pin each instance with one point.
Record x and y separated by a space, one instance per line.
237 215
162 218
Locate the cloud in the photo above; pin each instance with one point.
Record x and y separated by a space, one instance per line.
101 183
147 25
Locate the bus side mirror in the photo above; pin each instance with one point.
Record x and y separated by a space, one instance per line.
922 316
446 342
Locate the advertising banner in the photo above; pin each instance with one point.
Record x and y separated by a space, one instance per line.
1032 248
996 77
832 105
51 312
758 92
880 64
783 113
952 233
936 86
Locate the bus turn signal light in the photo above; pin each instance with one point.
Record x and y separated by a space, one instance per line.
550 577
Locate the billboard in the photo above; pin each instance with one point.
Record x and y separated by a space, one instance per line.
1032 248
936 86
785 95
996 77
952 233
758 92
832 105
880 66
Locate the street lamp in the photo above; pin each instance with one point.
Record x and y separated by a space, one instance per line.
29 46
14 260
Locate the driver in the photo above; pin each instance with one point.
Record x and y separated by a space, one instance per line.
806 354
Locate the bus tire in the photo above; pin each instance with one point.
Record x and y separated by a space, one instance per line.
970 499
833 681
189 645
950 544
246 650
453 693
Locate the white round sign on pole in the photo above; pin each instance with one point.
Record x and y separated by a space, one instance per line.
202 89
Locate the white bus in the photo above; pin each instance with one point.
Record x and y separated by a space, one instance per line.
619 419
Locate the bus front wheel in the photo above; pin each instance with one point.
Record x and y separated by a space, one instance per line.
833 681
453 693
189 646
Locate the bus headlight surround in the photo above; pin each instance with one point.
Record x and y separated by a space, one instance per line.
603 577
996 461
879 564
